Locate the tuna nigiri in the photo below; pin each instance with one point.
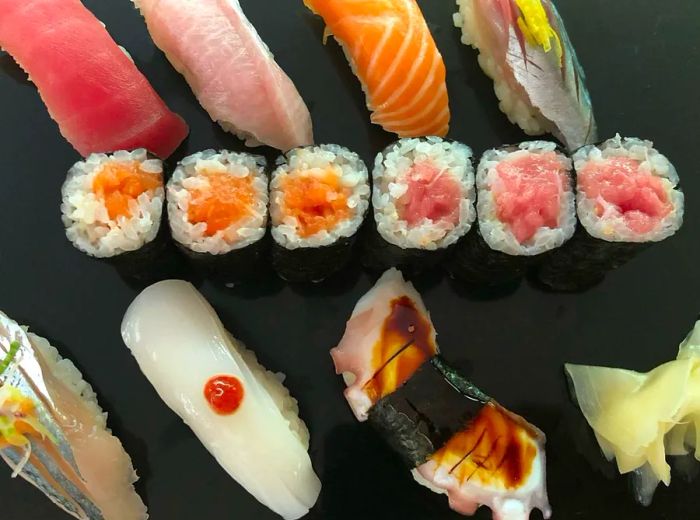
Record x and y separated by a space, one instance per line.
241 412
458 440
53 433
230 69
91 87
391 50
523 46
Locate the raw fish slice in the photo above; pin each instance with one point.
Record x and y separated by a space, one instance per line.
497 461
91 87
523 46
182 348
639 418
54 434
392 52
387 338
230 69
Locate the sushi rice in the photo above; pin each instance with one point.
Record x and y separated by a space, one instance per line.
316 162
496 233
192 175
390 176
611 225
85 214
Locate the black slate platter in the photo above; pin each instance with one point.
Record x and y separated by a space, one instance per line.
643 65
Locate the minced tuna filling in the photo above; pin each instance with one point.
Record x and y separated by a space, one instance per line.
429 195
118 183
318 201
528 193
225 201
621 188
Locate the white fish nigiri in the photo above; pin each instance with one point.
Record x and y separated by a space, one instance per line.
54 434
230 69
241 413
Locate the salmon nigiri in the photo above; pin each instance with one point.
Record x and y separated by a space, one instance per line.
391 50
90 86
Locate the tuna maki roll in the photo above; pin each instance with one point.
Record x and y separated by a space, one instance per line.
525 210
112 205
318 199
217 210
627 198
423 199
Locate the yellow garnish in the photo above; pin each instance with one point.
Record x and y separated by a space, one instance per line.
18 419
535 26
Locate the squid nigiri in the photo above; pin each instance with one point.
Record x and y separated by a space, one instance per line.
53 432
241 412
392 52
640 419
523 46
230 69
456 439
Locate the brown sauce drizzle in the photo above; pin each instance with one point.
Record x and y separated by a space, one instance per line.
495 449
406 342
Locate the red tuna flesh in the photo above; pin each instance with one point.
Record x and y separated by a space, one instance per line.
528 193
623 189
430 195
92 89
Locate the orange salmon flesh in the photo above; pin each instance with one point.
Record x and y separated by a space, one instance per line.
227 200
118 183
318 202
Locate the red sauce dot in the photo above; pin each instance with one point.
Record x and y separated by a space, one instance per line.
224 394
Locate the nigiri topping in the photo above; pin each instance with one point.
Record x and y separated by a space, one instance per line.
405 343
224 394
316 199
622 188
528 192
18 419
430 195
535 26
118 183
640 418
226 200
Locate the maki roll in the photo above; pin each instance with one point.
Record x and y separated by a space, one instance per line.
112 206
318 199
525 209
455 438
627 198
217 210
423 199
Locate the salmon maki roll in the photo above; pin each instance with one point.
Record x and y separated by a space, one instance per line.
392 52
627 199
217 210
319 196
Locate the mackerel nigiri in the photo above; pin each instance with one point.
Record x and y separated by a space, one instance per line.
230 69
100 100
241 412
53 432
523 46
392 52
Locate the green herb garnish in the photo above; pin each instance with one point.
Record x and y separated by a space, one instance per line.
14 348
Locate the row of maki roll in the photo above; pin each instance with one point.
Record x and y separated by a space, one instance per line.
423 199
319 196
525 210
628 197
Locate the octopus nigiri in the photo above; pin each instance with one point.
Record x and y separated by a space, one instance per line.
456 439
54 434
241 412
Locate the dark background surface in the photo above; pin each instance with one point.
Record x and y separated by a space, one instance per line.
643 65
